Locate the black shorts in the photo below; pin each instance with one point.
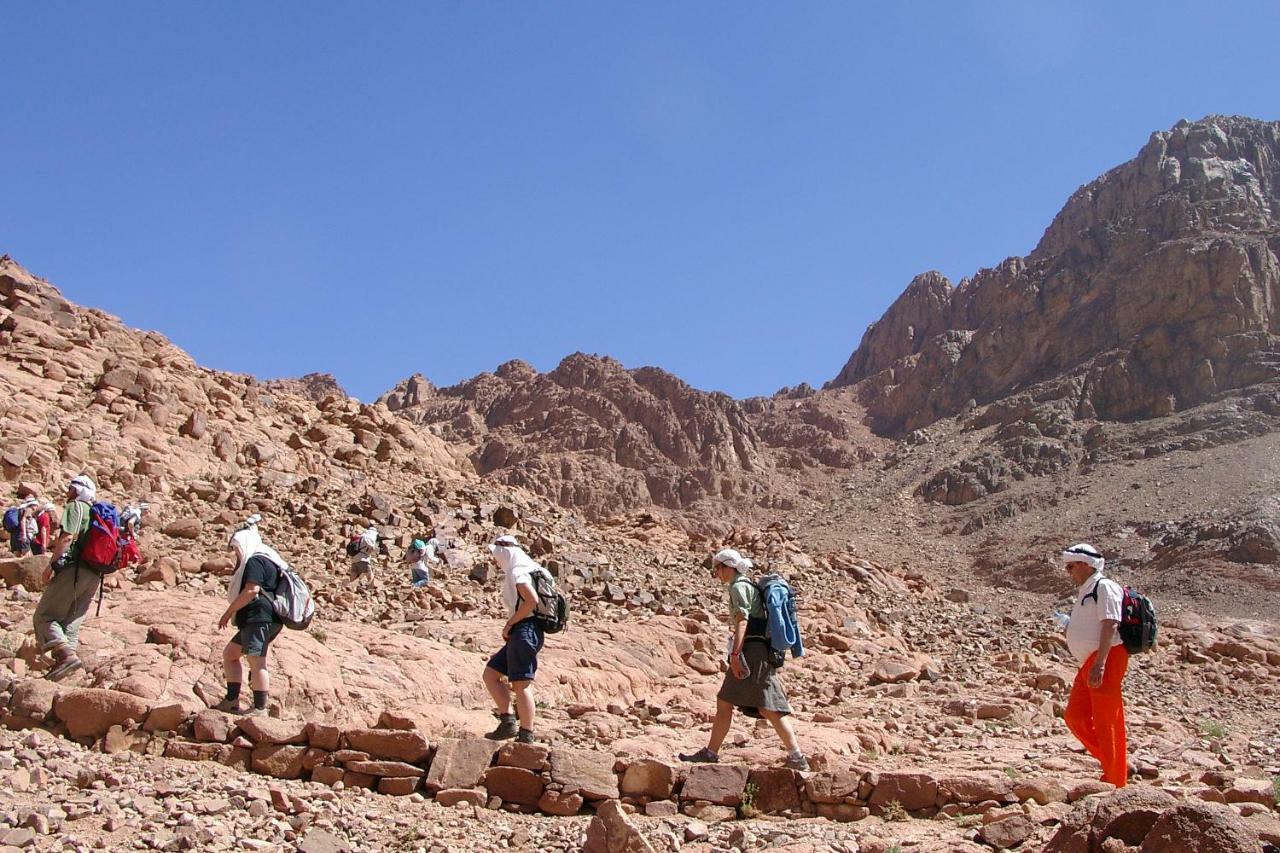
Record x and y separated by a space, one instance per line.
255 638
518 659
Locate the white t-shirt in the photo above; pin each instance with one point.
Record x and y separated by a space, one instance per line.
518 568
1089 612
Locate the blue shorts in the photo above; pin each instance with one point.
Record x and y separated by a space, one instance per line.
518 659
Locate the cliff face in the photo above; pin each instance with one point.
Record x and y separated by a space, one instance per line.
1155 289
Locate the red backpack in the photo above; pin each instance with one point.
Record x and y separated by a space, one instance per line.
100 550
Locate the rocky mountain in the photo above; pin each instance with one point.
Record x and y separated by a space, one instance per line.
595 436
1156 289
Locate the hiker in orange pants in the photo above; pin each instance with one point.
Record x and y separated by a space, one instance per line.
1095 715
1095 711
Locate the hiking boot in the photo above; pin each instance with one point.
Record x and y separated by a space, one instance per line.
508 727
65 662
258 712
525 736
228 706
702 756
797 762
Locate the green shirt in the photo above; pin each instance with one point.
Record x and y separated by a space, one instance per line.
75 521
744 598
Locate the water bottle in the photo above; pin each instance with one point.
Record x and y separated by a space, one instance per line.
1061 619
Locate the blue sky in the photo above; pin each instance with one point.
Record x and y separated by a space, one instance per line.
730 191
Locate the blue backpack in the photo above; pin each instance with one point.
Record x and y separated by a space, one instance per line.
779 602
11 519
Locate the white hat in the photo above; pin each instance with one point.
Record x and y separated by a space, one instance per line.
1083 553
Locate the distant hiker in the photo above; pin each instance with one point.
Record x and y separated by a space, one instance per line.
20 524
69 583
45 517
1095 709
256 577
512 668
419 558
751 684
363 549
130 529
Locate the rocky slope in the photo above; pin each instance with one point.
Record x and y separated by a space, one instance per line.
595 436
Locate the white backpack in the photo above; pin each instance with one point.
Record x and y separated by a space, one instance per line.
292 600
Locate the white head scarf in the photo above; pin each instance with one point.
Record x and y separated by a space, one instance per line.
731 558
248 543
370 537
510 555
1083 553
86 490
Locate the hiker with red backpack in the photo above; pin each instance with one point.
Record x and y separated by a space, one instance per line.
74 575
45 517
751 684
1108 622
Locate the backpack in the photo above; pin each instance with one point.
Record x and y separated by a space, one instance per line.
783 626
12 517
1138 627
353 546
553 608
292 600
100 549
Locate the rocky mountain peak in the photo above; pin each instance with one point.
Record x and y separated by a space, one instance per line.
1156 288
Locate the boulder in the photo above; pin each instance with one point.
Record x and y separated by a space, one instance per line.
24 572
895 669
322 841
405 746
90 712
777 789
1200 827
459 763
911 789
33 699
399 786
1130 812
184 528
974 788
1008 832
649 779
530 756
323 736
214 726
611 832
718 784
262 730
395 769
280 761
455 796
586 772
514 785
165 718
833 787
559 803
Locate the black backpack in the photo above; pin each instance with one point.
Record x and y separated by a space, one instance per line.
552 611
1138 627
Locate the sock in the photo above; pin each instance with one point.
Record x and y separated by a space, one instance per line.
795 753
259 700
233 691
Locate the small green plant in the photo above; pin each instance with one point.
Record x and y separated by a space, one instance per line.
1275 786
893 811
1213 729
897 848
967 820
869 755
1011 772
747 807
319 634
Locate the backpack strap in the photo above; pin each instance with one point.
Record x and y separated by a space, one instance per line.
1093 594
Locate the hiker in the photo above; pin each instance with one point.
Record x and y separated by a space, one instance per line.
257 575
45 514
1095 709
363 550
19 522
513 667
419 558
751 684
68 585
130 528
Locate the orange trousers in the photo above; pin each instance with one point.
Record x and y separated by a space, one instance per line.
1095 715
